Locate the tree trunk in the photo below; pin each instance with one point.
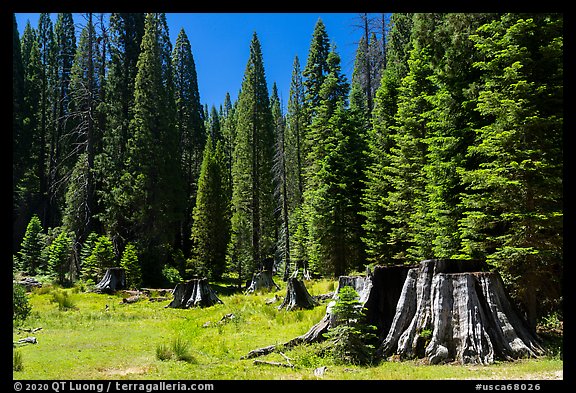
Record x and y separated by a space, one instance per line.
194 293
450 311
297 296
113 280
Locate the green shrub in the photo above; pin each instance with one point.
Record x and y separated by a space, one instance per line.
171 275
20 305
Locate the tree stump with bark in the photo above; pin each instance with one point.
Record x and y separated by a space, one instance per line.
114 279
452 310
297 296
262 281
194 293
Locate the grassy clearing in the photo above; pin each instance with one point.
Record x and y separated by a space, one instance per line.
95 336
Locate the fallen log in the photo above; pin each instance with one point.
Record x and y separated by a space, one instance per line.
27 340
278 364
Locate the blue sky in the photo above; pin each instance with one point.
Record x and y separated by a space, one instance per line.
220 45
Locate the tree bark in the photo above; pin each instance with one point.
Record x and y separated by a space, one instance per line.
297 296
262 281
113 280
194 293
450 311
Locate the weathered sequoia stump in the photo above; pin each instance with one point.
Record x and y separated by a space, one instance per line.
442 310
114 279
194 293
262 281
451 310
297 296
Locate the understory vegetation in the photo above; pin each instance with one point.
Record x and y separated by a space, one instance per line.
101 337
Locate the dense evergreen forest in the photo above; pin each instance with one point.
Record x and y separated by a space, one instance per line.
446 142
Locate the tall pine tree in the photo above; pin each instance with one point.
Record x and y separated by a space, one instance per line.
125 35
190 127
152 183
211 220
253 198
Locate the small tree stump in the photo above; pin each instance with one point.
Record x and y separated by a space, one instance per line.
194 293
297 296
114 279
262 281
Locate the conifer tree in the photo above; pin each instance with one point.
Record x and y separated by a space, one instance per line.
46 46
334 179
152 184
65 55
451 123
60 256
351 340
316 69
294 136
253 198
228 126
101 258
29 256
280 186
19 141
514 202
125 35
26 139
84 84
295 159
406 199
129 262
190 128
211 215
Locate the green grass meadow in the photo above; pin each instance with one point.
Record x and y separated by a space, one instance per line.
145 340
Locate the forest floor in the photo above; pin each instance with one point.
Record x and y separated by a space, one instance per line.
98 336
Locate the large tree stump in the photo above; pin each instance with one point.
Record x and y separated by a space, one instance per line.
451 310
297 296
194 293
114 279
262 281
